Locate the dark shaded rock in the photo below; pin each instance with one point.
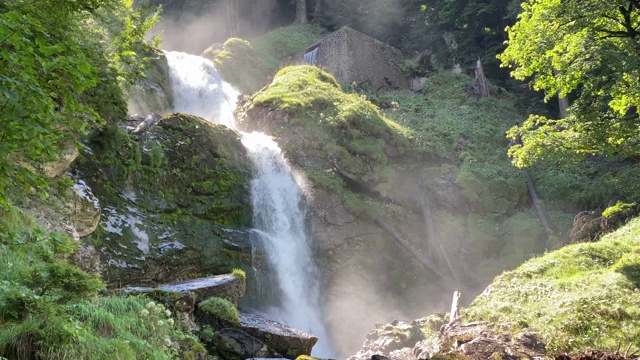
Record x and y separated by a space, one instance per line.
235 343
279 338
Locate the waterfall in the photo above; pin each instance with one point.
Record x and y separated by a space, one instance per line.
198 88
277 200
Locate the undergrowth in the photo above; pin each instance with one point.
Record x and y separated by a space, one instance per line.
49 309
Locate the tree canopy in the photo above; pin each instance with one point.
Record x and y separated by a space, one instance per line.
589 50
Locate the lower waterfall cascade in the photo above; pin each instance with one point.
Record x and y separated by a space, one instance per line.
278 214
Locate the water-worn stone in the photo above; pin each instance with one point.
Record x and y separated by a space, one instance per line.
84 209
472 341
153 94
226 286
279 338
66 158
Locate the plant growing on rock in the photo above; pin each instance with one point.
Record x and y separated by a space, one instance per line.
220 308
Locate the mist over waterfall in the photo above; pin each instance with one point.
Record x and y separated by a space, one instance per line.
278 210
198 89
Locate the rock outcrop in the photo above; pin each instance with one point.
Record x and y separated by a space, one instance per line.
422 340
174 201
228 287
153 94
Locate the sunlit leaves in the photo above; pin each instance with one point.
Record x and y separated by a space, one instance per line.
590 50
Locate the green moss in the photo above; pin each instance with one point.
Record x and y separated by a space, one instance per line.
240 274
620 213
241 65
220 308
581 296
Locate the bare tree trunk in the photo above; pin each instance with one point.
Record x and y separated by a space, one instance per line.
482 82
232 17
563 102
433 243
301 12
536 203
317 11
455 307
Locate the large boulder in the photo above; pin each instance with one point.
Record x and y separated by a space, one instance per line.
278 340
175 201
235 343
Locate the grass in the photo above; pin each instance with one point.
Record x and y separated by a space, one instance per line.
50 309
581 296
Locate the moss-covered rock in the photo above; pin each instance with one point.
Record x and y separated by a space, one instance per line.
173 204
321 127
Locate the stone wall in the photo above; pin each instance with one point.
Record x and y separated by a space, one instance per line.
352 56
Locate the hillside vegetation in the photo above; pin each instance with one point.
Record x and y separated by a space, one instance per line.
581 296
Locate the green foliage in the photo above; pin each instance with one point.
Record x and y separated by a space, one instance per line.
587 49
50 309
581 296
220 308
283 43
618 214
56 80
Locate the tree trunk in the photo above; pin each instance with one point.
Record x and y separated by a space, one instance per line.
301 12
433 243
536 203
455 307
482 82
563 102
317 11
232 17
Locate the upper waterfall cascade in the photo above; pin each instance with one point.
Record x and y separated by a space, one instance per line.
277 199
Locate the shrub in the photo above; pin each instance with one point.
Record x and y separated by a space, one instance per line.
220 308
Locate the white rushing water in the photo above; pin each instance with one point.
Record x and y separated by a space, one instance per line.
198 89
278 213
